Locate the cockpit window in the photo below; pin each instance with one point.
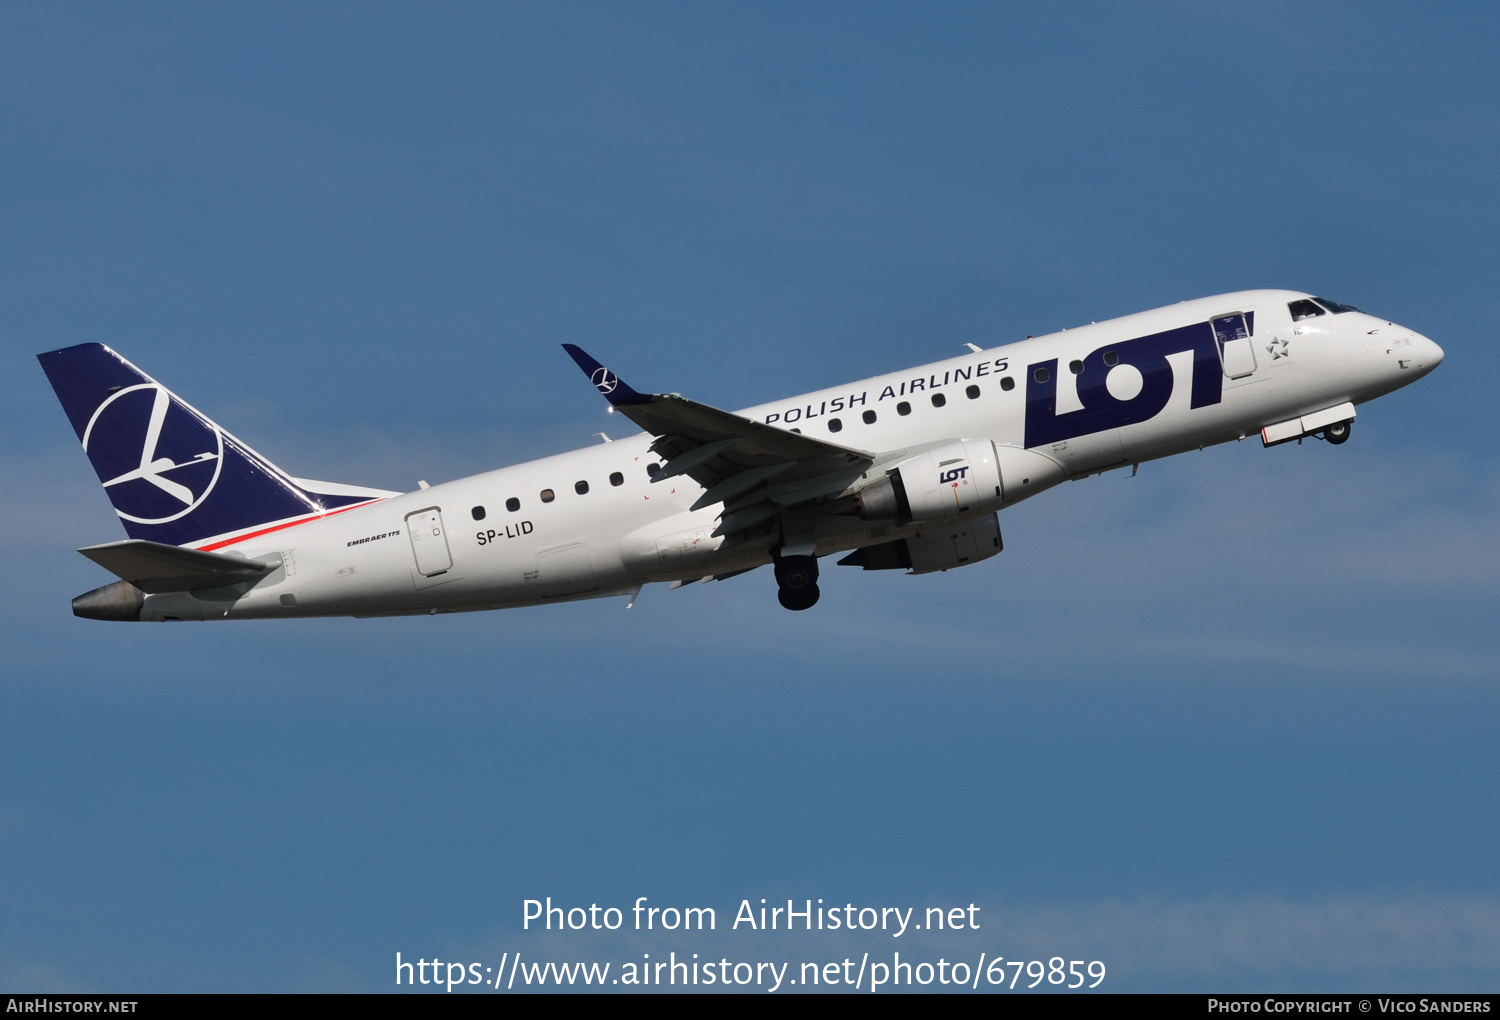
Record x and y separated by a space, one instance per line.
1335 307
1303 309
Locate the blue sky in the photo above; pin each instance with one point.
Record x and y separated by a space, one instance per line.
1228 724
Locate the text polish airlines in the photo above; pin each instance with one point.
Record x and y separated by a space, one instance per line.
904 471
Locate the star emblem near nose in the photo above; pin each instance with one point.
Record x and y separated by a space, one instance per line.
1277 348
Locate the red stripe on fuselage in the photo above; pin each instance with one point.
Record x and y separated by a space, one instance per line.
279 527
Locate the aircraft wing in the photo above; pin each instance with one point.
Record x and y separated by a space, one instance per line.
155 568
753 469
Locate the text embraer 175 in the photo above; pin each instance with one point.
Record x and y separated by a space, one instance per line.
902 471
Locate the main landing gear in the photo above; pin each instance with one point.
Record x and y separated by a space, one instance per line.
1338 432
797 581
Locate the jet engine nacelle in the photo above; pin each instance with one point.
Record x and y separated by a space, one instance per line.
955 546
952 481
932 549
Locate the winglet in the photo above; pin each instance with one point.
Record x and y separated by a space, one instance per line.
606 382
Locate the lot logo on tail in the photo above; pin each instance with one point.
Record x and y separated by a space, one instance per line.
604 380
159 460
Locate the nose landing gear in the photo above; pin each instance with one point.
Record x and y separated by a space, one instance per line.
797 582
1338 432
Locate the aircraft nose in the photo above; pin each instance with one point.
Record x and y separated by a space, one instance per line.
1428 354
1434 355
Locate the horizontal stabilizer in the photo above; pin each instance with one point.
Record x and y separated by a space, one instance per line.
155 568
318 488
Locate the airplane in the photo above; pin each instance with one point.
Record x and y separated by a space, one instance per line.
903 471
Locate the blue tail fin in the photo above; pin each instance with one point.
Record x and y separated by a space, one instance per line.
173 475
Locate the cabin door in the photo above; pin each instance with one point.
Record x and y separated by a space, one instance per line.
429 541
1236 353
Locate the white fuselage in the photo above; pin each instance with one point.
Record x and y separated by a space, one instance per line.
618 535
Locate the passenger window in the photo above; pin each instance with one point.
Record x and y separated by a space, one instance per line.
869 417
548 495
1042 375
1303 309
903 408
834 425
513 504
972 392
1111 359
1076 367
581 488
938 400
1007 383
477 513
615 478
653 470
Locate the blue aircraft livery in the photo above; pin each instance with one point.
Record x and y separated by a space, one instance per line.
172 475
1101 410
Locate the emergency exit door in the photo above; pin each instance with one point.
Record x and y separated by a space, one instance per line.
429 541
